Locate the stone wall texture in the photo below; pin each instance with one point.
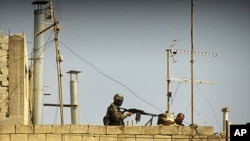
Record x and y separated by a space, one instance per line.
14 80
107 133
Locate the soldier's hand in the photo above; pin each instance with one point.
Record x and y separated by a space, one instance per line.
129 114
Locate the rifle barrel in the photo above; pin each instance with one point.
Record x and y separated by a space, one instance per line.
133 110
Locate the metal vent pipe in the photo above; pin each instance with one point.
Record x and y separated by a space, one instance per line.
74 98
38 65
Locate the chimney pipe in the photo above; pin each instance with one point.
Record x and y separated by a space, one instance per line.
225 111
74 96
38 66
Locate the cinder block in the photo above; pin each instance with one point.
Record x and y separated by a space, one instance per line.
54 137
181 138
199 130
3 90
43 129
185 130
86 137
216 138
112 130
168 130
4 71
162 138
4 46
3 97
5 83
108 138
72 137
133 130
4 110
60 129
126 137
4 137
144 137
37 137
103 130
205 130
3 52
93 129
3 65
24 129
151 130
200 138
79 129
7 129
19 137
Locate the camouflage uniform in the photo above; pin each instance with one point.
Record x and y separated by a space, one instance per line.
114 116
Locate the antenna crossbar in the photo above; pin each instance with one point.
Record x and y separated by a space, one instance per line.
196 53
189 81
47 28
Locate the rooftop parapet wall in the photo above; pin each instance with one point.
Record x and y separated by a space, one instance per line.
106 133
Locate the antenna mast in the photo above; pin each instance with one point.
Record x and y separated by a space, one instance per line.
170 53
192 61
59 59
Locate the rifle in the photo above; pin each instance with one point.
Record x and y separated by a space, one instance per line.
139 113
134 111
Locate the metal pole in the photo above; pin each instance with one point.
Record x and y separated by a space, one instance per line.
192 61
74 97
38 66
225 117
168 83
59 58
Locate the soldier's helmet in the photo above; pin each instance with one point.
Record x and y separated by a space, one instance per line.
118 97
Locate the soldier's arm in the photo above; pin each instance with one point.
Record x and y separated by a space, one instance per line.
118 115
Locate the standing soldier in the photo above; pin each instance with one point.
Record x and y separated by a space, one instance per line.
114 116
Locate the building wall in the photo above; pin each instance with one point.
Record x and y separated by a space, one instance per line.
4 83
107 133
14 96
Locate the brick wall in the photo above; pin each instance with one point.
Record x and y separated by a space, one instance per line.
106 133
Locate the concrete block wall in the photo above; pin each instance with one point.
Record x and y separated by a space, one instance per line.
4 83
14 95
106 133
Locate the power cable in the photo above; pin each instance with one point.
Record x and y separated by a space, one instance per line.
210 106
202 118
178 86
24 55
79 104
110 78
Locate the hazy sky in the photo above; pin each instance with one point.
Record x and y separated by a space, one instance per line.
126 40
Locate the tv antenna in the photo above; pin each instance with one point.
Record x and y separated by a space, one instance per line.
170 53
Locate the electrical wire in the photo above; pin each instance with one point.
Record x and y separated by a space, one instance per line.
178 86
107 76
202 118
59 8
46 44
216 119
81 109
